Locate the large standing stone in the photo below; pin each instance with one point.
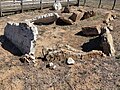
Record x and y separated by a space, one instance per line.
107 43
22 35
57 6
46 18
76 16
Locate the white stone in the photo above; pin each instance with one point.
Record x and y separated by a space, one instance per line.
23 35
54 66
70 61
57 6
51 64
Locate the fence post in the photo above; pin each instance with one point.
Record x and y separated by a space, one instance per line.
0 9
114 4
99 3
21 6
40 4
68 3
84 2
78 2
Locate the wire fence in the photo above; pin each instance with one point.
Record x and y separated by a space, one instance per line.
22 5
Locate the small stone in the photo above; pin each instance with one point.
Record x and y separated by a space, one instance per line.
54 66
51 64
70 61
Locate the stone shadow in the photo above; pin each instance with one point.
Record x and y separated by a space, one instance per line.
9 46
93 44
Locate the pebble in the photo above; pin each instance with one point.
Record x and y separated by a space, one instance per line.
70 61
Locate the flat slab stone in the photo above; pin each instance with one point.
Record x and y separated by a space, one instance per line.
23 35
88 14
91 30
76 16
48 18
64 21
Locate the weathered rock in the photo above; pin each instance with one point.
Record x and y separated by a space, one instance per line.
107 43
64 21
66 10
45 19
57 6
91 31
109 17
76 16
88 14
70 61
22 35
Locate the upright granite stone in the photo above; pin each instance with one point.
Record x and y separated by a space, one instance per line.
23 35
107 43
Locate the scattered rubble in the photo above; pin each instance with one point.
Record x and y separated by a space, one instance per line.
70 61
88 14
48 18
107 43
27 58
57 6
64 21
76 16
23 35
63 53
51 65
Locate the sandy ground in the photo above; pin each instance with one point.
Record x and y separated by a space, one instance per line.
85 74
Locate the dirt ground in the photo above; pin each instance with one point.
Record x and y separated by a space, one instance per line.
85 74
